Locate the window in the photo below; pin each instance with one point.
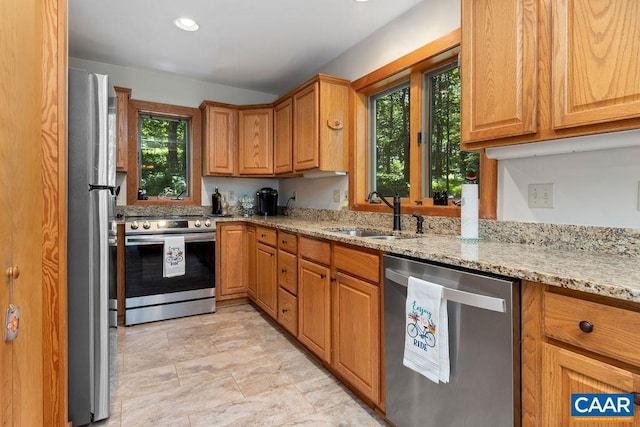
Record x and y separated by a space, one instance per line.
164 150
390 155
447 166
407 136
164 154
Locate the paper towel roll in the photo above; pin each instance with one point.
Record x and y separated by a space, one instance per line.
469 214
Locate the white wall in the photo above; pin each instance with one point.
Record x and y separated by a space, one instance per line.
314 193
169 88
598 188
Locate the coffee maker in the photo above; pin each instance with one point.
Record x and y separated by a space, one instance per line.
267 201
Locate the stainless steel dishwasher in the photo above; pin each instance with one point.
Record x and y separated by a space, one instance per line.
484 350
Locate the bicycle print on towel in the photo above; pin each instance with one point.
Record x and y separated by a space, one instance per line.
421 325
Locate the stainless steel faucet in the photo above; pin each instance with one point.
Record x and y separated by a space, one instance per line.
395 207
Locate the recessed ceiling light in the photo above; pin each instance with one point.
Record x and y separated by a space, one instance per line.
186 24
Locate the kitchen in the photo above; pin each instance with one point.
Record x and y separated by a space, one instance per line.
612 173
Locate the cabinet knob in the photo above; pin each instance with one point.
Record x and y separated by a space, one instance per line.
284 310
333 280
263 235
586 326
284 242
13 272
323 276
284 270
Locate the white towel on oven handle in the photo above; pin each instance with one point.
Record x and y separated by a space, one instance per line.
174 256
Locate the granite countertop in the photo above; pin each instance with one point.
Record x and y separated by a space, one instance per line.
602 274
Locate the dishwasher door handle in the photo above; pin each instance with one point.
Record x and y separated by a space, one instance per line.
455 295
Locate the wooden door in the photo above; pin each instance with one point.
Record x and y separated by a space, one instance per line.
231 277
314 304
255 146
251 262
283 137
566 372
306 136
596 66
499 68
219 138
356 333
21 179
267 290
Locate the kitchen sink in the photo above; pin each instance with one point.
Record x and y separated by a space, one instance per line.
369 234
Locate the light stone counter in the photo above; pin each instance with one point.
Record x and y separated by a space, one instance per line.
609 275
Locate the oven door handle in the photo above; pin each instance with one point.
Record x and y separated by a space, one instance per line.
157 240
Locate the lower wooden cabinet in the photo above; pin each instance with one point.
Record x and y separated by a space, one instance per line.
288 311
566 372
231 261
314 308
266 277
356 333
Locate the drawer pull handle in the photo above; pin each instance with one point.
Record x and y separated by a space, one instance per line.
586 326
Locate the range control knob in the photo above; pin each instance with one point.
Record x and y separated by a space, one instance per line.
134 225
207 223
197 223
146 225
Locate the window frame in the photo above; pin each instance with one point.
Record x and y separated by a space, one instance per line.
193 116
412 67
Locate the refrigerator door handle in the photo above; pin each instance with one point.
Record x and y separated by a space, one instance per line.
455 295
113 190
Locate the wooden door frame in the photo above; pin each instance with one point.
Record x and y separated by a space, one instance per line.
54 228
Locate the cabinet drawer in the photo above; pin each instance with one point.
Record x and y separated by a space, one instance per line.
266 236
357 263
288 271
316 250
287 242
288 311
614 330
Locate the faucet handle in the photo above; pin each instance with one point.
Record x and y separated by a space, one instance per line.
419 223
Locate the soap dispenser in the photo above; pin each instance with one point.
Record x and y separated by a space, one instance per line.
216 203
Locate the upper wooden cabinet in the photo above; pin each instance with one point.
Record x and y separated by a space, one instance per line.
320 125
255 141
283 136
219 136
596 66
535 70
122 125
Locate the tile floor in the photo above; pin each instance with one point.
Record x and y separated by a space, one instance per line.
228 368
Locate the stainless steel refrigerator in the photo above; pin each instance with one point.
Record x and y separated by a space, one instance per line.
91 244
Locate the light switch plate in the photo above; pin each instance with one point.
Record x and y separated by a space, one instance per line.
540 195
336 196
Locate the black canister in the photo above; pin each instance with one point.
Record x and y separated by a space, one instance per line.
216 203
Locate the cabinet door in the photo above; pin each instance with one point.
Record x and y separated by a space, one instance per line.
305 128
251 263
255 146
288 271
219 139
356 333
267 292
499 68
314 316
596 77
232 266
122 126
283 137
566 372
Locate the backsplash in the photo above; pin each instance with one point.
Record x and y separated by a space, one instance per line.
604 240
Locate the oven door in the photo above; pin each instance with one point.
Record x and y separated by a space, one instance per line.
149 296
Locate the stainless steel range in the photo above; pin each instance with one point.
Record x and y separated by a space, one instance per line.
151 293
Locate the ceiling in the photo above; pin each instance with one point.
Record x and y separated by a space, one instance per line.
263 45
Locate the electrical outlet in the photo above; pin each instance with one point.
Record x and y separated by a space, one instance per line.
540 195
293 196
336 196
346 195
